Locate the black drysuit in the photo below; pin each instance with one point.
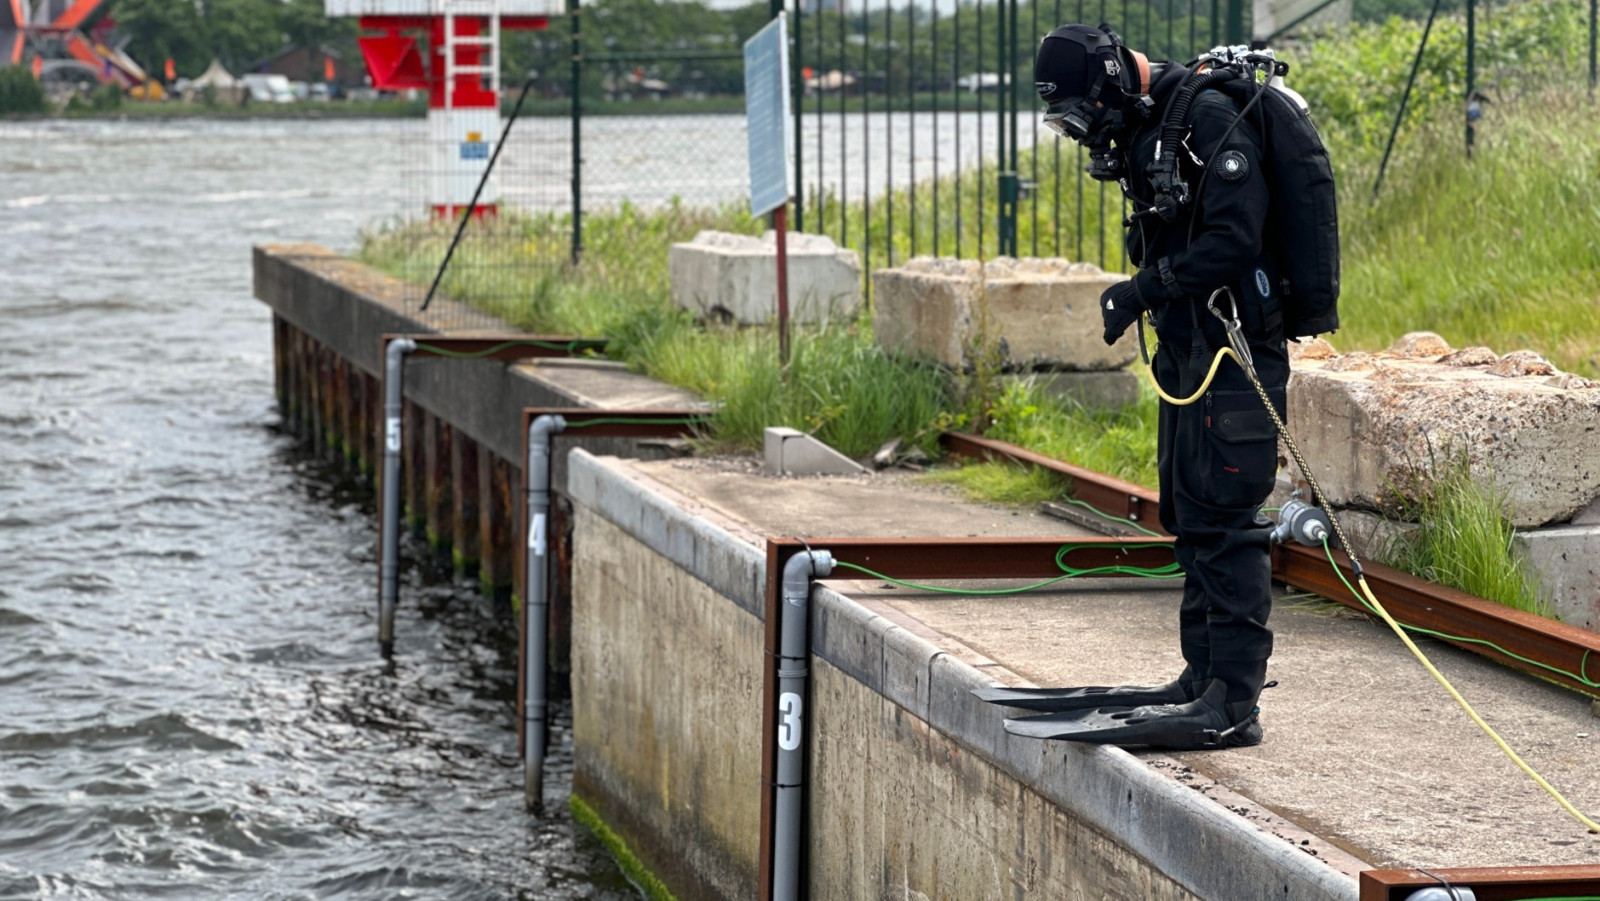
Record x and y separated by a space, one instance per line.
1217 457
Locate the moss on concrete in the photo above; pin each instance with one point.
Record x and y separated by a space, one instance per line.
630 864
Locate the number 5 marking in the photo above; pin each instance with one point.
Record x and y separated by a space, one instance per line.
789 724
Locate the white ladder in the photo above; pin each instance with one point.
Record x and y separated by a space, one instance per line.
481 9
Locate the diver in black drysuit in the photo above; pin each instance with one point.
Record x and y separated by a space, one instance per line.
1217 457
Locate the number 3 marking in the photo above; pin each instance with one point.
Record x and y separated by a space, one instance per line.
789 725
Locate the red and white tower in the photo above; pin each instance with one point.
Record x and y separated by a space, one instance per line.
451 49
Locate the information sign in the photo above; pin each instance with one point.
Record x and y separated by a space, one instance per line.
767 121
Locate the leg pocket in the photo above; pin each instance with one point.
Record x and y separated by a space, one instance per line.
1239 457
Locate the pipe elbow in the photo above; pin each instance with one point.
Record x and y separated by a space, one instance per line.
801 569
542 427
398 348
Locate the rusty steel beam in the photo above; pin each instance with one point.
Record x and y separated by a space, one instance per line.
1412 601
1440 608
1107 493
919 559
501 347
1487 883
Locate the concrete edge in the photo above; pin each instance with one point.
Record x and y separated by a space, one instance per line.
1205 847
719 552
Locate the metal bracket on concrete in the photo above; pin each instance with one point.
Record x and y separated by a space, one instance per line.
791 452
921 559
1554 649
538 526
1486 883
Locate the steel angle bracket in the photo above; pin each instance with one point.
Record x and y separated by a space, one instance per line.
506 348
919 559
1487 883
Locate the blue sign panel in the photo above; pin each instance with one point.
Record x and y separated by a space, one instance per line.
767 121
474 150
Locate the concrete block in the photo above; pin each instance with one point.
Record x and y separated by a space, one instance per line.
791 452
734 278
1038 314
1110 388
1368 422
1568 561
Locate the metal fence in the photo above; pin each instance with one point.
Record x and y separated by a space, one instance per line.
916 129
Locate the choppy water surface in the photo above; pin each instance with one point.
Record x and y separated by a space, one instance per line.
191 702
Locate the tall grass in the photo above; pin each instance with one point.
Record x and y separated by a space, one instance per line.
1502 249
1464 539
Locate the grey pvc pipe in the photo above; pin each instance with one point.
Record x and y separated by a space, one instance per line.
536 605
794 612
394 361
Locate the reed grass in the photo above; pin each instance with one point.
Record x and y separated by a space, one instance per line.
1464 539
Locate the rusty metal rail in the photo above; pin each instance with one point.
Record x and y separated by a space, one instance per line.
921 558
1487 883
1548 649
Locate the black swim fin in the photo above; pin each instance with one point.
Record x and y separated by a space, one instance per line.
1200 724
1088 697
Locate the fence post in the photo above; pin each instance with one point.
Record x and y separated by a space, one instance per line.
1006 125
1472 69
574 19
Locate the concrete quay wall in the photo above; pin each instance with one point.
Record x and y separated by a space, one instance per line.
915 790
462 448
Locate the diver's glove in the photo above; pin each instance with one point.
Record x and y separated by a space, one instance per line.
1120 307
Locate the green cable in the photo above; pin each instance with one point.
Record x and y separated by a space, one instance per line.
1578 677
1170 571
569 347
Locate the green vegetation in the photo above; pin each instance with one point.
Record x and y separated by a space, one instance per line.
1464 539
19 92
630 864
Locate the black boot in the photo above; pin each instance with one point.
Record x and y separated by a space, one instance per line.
1244 679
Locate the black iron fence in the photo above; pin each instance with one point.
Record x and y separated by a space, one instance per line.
916 126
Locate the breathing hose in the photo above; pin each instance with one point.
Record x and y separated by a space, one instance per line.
1240 352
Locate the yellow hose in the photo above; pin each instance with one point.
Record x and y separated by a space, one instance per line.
1361 580
1204 386
1591 825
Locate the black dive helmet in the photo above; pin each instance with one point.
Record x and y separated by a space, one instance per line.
1090 81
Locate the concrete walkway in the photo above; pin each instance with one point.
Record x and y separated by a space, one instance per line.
1365 752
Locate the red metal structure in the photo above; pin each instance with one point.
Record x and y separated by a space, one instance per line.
451 49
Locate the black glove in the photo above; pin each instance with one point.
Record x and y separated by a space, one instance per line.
1120 307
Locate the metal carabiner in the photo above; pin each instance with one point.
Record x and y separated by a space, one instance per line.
1235 330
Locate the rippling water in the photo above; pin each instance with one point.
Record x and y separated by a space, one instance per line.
191 701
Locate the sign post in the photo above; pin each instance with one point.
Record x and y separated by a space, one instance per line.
769 127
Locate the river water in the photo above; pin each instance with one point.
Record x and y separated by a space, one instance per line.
191 700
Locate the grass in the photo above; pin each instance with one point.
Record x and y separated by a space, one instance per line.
1500 250
1464 539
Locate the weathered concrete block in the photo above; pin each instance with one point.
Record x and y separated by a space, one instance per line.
1568 561
1368 422
1110 388
1040 314
791 452
735 277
